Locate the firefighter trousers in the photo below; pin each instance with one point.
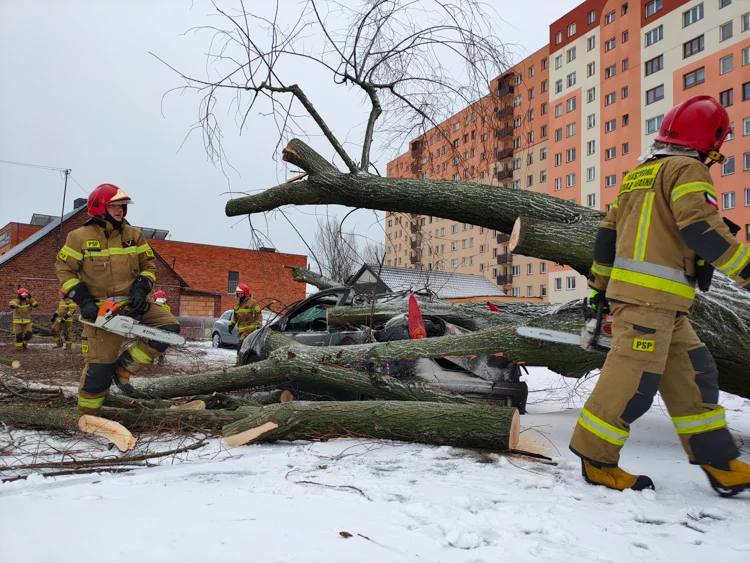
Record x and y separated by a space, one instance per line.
654 350
242 335
23 333
103 359
63 330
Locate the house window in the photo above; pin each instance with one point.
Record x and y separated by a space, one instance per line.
454 245
591 200
591 174
515 185
571 79
517 143
726 64
610 71
727 97
531 136
516 291
233 280
591 69
529 269
543 287
609 18
655 94
610 153
654 65
694 78
571 104
591 121
692 15
610 125
610 99
610 180
728 200
591 43
558 281
517 270
571 54
653 124
570 282
745 22
653 7
725 31
570 180
529 180
529 291
591 94
609 44
543 265
591 17
692 47
728 167
454 229
656 34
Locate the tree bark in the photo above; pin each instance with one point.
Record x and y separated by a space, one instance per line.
306 276
271 397
471 426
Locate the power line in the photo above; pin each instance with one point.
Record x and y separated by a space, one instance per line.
38 166
79 185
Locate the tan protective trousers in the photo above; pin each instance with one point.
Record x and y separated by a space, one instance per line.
242 335
63 330
101 352
654 350
23 334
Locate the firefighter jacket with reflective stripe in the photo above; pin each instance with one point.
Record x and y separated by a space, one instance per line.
65 310
108 261
22 310
665 215
246 315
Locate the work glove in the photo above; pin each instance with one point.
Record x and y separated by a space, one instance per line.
140 291
231 329
81 296
54 318
89 310
598 299
704 271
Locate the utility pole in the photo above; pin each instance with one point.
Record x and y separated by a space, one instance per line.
67 172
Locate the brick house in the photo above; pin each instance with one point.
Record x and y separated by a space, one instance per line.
197 278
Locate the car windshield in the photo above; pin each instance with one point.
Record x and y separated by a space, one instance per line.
226 316
314 317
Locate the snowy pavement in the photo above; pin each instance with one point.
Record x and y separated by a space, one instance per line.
362 501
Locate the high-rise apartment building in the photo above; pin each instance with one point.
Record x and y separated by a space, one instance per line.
570 121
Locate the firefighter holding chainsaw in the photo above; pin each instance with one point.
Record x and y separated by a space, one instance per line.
662 232
246 316
21 307
62 321
109 260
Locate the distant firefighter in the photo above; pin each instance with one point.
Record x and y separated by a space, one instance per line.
21 307
62 321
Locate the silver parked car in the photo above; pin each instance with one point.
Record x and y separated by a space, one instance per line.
220 335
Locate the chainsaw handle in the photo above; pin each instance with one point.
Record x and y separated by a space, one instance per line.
598 328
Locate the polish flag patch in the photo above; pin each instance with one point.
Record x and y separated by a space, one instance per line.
711 200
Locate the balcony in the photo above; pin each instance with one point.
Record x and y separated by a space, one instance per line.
415 259
506 131
505 112
503 173
502 237
416 168
416 244
505 280
414 228
505 153
504 258
505 90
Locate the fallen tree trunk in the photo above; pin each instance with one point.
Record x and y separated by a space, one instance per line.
471 426
15 364
304 275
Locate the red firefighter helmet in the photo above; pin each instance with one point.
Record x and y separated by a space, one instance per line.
105 194
160 294
242 288
700 123
63 292
22 291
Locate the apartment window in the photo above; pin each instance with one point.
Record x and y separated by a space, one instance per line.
531 93
454 229
746 157
558 159
515 184
745 22
517 143
571 54
746 126
591 200
558 110
570 130
609 44
544 86
610 153
543 176
531 71
656 34
544 131
558 184
516 270
653 7
516 165
653 124
571 104
591 121
516 291
610 125
572 29
726 64
516 121
529 269
591 17
570 282
558 135
570 180
558 281
591 43
591 147
543 154
728 167
454 245
625 64
609 18
655 94
727 97
571 79
610 180
544 108
692 47
654 65
626 120
725 31
517 101
694 78
746 54
591 94
558 61
531 136
692 15
724 3
454 263
728 200
558 86
591 174
625 148
747 201
543 290
545 63
624 9
746 91
610 99
570 155
624 92
625 36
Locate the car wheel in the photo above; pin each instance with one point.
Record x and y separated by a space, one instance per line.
216 340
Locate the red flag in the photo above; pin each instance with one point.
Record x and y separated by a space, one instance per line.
492 307
416 322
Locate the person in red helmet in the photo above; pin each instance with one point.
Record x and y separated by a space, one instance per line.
246 316
21 307
662 228
108 259
62 321
161 298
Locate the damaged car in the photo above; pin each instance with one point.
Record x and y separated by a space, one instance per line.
485 377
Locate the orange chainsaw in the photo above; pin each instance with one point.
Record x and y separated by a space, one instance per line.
117 318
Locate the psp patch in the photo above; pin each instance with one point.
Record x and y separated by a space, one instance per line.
641 345
63 256
93 244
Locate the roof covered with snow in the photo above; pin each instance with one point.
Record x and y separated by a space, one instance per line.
446 285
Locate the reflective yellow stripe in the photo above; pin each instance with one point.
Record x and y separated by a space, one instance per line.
599 270
652 282
90 403
690 188
68 285
149 275
639 252
143 248
248 327
18 344
602 429
21 321
736 262
139 355
700 422
70 252
616 203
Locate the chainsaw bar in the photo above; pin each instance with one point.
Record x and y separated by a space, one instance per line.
130 328
549 335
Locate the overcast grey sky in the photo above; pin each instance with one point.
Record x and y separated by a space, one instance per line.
80 90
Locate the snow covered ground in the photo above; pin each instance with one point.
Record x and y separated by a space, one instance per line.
358 501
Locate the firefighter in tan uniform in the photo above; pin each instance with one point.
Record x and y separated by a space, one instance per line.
108 259
663 223
246 316
21 307
62 321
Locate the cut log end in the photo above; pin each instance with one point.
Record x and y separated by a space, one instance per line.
249 435
196 405
109 429
515 430
286 397
515 235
